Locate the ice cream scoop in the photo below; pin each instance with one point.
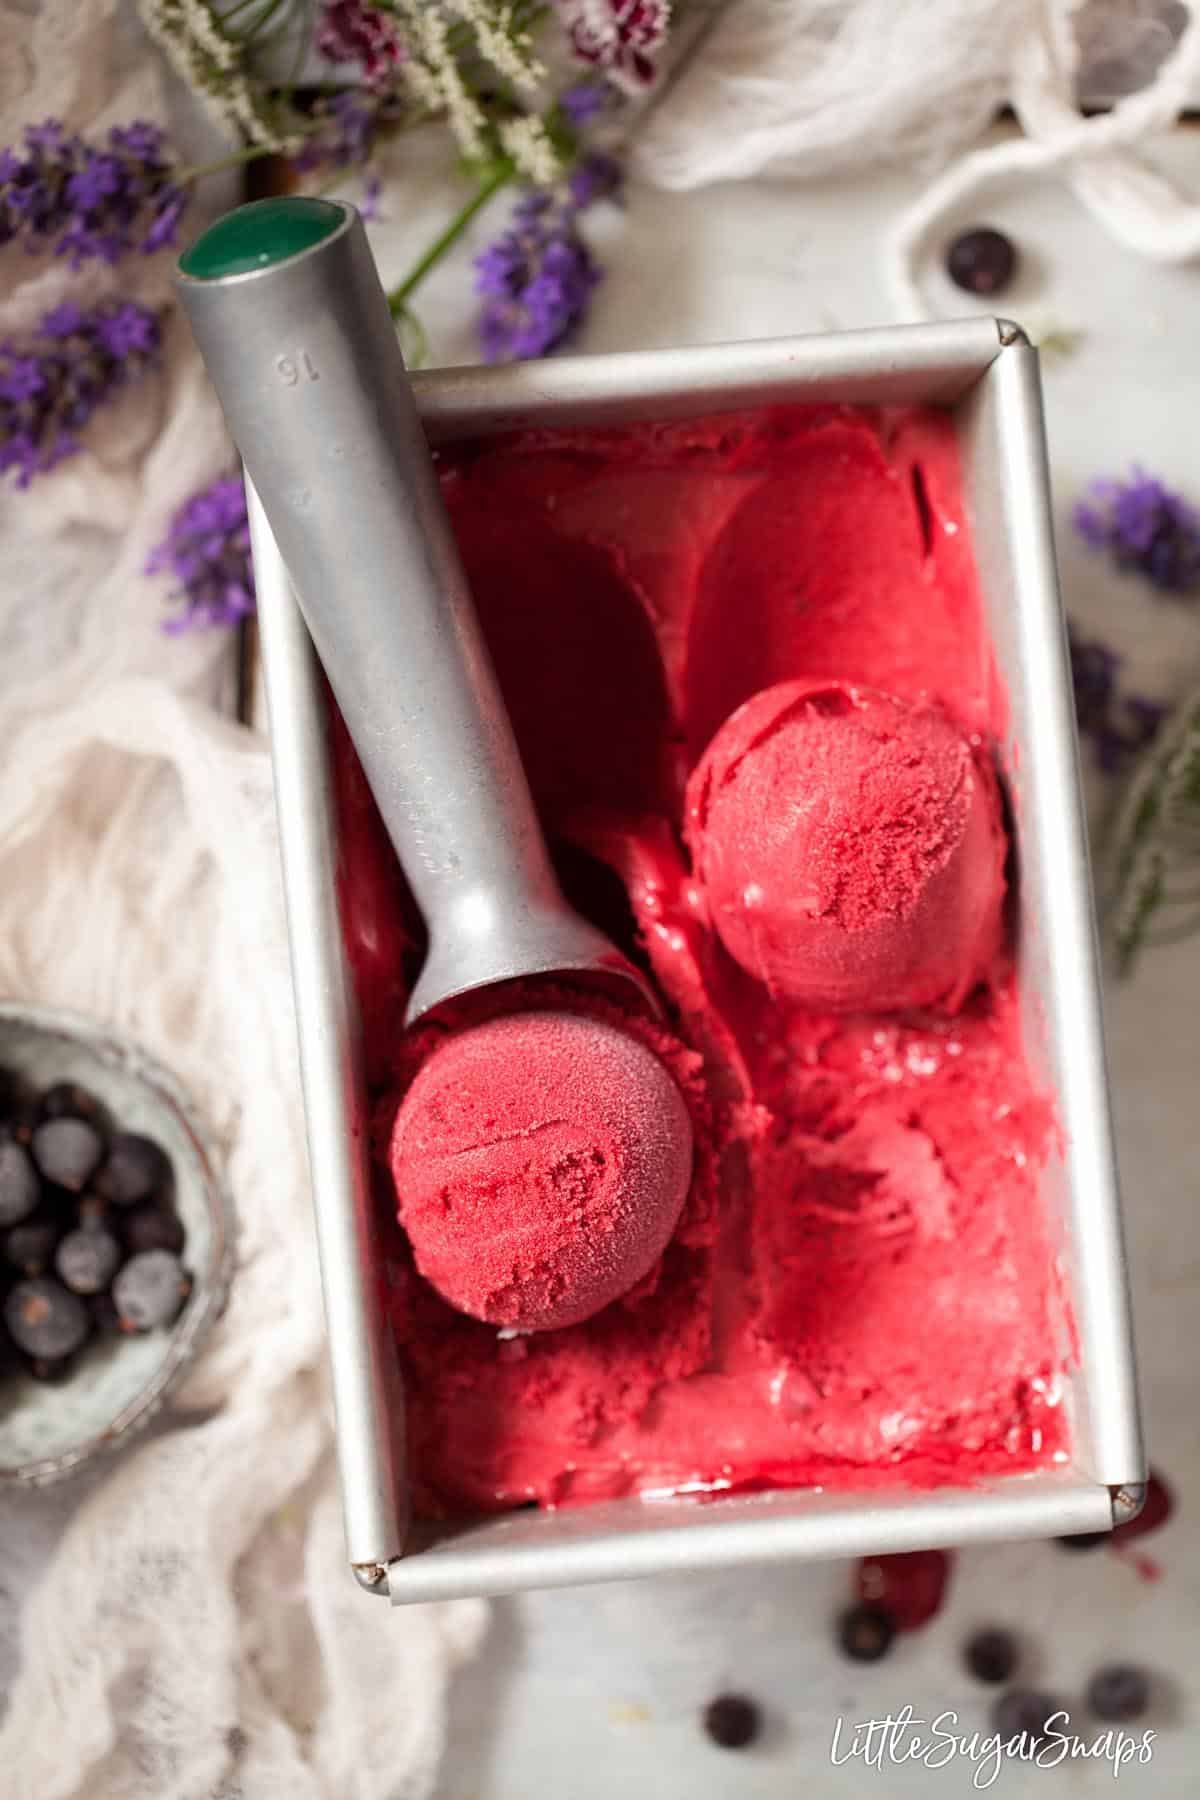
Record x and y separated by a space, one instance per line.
850 848
287 308
541 1161
294 327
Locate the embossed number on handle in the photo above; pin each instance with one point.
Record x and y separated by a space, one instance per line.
292 369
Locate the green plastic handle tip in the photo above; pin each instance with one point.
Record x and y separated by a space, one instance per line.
259 235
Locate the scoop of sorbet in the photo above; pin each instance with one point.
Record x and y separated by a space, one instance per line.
850 847
541 1162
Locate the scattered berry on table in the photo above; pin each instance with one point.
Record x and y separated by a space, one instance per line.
1119 1692
992 1655
865 1632
982 261
1023 1711
732 1720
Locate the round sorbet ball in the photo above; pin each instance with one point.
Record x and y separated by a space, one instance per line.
541 1162
851 848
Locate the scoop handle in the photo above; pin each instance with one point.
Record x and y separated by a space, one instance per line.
304 357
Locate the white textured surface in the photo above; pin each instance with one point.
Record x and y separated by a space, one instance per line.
594 1692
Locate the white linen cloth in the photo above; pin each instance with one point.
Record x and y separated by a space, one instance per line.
820 88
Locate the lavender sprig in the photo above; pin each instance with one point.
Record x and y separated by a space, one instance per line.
1146 527
207 549
535 281
581 103
346 129
595 176
1117 725
49 391
85 201
1151 873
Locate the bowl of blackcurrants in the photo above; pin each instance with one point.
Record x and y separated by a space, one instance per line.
115 1241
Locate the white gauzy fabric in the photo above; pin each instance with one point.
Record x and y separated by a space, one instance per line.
1099 156
197 1634
819 87
824 87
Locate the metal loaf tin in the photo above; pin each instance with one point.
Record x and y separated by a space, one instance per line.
986 374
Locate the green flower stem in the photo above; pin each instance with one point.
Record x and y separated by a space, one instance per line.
250 153
231 12
500 174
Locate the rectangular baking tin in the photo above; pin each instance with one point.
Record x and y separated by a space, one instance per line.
985 372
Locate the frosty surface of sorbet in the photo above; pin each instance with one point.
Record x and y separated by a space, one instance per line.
541 1161
850 847
860 1291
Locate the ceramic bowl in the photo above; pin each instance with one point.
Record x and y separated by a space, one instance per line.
119 1384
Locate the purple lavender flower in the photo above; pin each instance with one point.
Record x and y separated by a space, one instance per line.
207 549
1094 669
1135 724
581 103
164 222
95 183
62 321
128 330
1117 725
49 135
141 140
21 379
368 206
84 202
596 176
48 394
347 127
535 282
1144 527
